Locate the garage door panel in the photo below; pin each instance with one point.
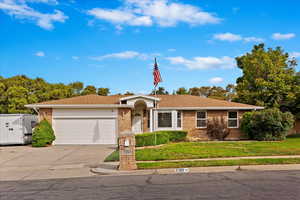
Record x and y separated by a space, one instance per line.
85 131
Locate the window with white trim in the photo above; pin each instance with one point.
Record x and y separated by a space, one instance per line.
164 119
179 117
201 119
233 119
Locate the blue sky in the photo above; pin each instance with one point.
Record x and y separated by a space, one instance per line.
112 43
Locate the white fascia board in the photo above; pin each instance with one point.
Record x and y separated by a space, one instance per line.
139 96
211 108
77 106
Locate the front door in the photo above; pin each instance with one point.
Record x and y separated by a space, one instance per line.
137 123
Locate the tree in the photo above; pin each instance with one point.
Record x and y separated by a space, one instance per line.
230 92
160 91
103 91
90 89
182 91
268 77
217 93
77 87
128 93
205 91
195 91
19 90
16 99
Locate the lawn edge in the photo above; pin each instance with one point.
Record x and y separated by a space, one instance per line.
217 163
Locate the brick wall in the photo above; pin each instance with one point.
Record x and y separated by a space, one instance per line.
45 113
145 121
297 126
124 119
189 124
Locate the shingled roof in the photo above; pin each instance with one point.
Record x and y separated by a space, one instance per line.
166 101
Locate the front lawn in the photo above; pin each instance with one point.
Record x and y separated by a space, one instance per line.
211 163
193 150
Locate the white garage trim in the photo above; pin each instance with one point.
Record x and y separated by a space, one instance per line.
85 117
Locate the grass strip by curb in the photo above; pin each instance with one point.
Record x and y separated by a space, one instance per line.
211 163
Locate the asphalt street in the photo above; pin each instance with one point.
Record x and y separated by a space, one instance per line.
244 185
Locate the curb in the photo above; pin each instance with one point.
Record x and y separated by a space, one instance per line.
219 169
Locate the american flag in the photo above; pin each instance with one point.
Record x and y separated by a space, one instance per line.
156 74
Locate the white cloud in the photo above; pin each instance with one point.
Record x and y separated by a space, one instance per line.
281 36
75 57
120 17
171 50
224 62
227 37
127 55
40 54
21 10
122 55
164 13
295 54
216 80
231 37
53 2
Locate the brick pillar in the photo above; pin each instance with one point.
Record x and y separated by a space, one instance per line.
127 151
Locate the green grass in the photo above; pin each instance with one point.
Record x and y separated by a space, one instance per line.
194 150
114 156
210 163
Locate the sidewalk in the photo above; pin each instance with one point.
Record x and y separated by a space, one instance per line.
287 167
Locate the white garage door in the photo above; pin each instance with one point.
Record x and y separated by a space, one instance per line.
85 131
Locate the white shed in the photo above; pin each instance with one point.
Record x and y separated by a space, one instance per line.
16 128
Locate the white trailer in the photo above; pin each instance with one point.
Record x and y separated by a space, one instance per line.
16 128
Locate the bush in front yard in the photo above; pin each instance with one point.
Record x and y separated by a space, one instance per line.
159 137
217 128
43 134
269 124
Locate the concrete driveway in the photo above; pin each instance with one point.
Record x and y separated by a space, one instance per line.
61 161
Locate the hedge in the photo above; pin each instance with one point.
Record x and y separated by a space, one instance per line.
269 124
43 134
159 137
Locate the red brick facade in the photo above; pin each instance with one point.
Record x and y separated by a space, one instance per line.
194 133
188 122
124 120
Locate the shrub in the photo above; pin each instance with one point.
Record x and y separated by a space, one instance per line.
217 128
159 137
176 136
43 134
269 124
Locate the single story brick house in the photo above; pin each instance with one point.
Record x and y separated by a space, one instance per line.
94 119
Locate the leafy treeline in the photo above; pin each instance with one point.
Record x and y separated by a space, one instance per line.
205 91
17 91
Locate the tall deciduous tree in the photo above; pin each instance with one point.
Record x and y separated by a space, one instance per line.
182 91
160 91
268 77
77 87
103 91
90 89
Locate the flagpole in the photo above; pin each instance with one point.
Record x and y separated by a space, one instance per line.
155 105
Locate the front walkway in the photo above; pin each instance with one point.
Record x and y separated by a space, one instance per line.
61 161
